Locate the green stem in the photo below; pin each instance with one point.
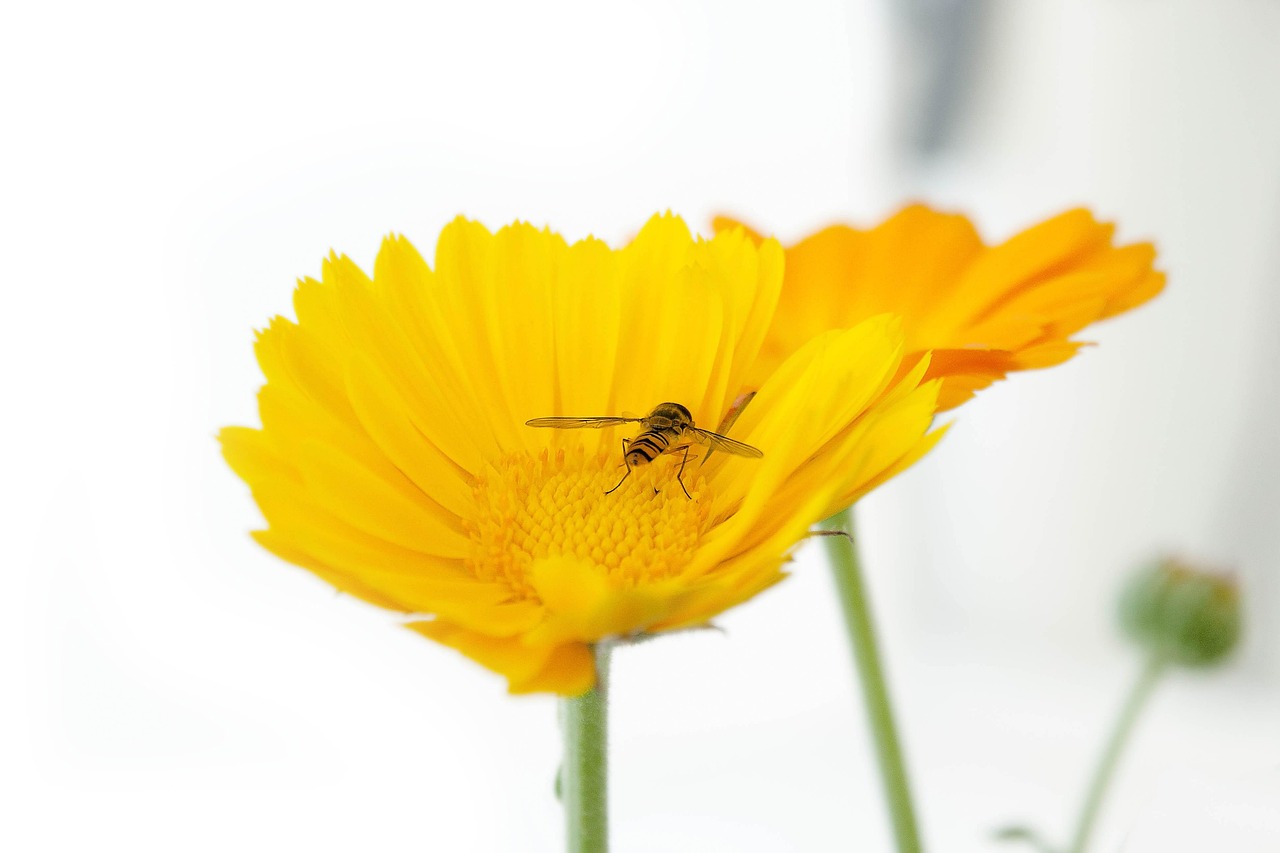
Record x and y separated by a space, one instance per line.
1147 679
875 692
585 772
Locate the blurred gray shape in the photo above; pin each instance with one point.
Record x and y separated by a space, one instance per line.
940 41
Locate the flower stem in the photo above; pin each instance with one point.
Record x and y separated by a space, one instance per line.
1147 679
585 772
875 692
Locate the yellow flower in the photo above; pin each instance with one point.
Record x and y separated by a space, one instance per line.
394 461
982 310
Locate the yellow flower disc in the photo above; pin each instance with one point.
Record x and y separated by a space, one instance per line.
555 504
394 461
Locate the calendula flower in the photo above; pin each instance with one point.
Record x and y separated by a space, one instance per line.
983 311
395 463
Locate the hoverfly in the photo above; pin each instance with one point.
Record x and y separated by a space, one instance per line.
667 429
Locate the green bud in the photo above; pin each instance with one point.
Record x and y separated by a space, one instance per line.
1190 615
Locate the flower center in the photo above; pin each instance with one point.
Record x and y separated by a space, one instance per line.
554 505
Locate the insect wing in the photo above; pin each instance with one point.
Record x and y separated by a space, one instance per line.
579 423
726 444
730 419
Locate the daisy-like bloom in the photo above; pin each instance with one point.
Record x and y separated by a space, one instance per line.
394 461
983 311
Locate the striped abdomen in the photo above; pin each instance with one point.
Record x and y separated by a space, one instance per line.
650 444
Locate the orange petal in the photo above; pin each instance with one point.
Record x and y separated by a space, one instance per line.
984 311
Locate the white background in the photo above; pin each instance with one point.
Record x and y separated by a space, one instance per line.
167 171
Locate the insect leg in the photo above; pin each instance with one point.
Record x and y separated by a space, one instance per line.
624 462
680 473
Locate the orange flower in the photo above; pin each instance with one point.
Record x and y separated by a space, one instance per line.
984 311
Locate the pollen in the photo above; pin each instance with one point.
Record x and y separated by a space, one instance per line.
553 504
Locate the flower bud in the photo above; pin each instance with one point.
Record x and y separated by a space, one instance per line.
1183 612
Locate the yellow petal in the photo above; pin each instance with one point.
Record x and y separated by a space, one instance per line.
447 412
285 550
509 656
386 417
812 397
587 309
583 603
570 670
251 456
492 308
396 512
672 319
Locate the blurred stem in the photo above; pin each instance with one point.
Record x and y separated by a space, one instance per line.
585 772
1147 679
875 691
